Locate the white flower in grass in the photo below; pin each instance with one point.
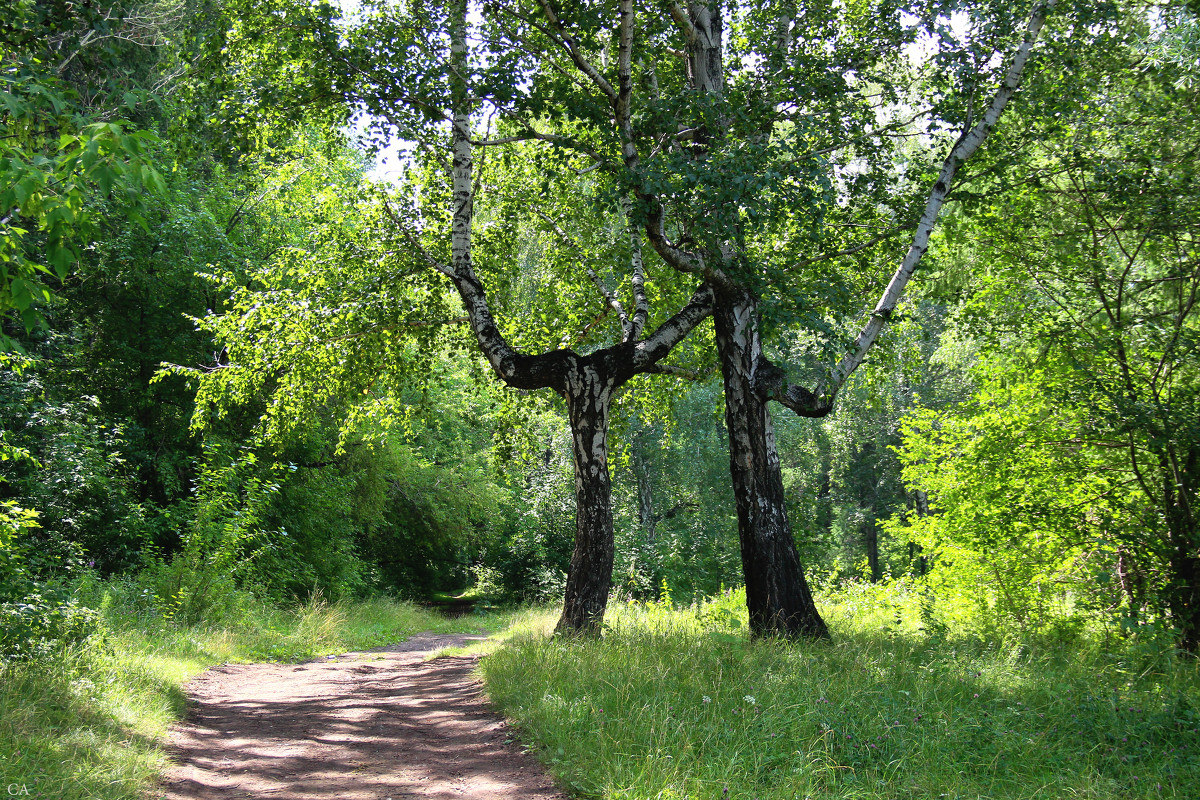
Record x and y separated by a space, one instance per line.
749 699
706 699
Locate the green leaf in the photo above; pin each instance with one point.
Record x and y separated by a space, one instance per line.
62 257
22 296
104 178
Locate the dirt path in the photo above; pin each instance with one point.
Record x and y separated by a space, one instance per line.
364 726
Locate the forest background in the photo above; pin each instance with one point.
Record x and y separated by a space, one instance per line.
233 371
184 210
238 374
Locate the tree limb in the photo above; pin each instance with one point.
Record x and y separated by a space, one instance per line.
609 296
963 149
513 367
657 345
680 372
564 39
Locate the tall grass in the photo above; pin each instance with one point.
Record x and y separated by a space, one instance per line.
680 704
89 720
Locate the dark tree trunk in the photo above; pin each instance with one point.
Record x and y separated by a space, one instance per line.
777 594
1185 596
921 503
589 395
871 539
1183 536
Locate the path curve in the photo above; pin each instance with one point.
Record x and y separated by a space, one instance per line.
362 726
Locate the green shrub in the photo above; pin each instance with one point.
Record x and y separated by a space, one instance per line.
36 617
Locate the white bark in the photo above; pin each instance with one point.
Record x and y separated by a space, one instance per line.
657 345
500 355
637 278
569 44
967 145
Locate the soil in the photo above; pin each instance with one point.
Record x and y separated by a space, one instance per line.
361 726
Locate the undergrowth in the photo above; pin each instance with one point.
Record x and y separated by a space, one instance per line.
680 703
88 719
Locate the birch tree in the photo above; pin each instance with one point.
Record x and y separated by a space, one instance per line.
776 153
588 324
750 141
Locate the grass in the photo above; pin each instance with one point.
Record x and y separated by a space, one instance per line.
674 704
89 721
671 703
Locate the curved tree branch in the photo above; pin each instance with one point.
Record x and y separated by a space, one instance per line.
770 381
966 146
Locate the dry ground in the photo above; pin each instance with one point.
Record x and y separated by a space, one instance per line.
363 726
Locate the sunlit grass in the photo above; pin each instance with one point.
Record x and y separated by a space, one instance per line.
89 721
680 704
672 703
507 625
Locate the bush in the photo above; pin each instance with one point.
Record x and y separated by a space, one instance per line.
41 623
35 618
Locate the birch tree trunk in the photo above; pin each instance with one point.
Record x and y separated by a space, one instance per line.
777 594
779 599
1183 540
586 382
589 396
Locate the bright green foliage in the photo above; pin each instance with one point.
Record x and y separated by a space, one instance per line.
1017 509
332 318
679 704
109 456
247 73
13 570
1081 450
58 146
222 537
328 341
841 474
35 617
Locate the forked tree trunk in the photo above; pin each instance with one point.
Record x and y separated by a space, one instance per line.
586 382
777 594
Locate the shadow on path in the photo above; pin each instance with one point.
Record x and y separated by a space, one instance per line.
364 726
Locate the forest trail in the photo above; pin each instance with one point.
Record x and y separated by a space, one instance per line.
362 726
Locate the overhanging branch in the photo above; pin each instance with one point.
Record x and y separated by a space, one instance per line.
967 145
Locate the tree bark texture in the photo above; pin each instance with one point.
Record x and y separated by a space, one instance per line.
586 382
777 594
589 395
